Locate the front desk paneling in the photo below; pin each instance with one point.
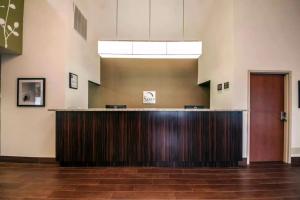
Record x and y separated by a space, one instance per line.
149 138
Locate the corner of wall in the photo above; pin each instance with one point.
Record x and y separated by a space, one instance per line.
82 59
217 62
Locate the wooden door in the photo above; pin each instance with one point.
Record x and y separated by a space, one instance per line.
266 126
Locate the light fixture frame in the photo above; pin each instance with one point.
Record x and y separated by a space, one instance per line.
150 49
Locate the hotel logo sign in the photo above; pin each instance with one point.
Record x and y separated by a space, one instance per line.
149 97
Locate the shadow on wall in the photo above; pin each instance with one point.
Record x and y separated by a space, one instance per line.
124 80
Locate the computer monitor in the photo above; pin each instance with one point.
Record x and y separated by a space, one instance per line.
116 106
194 106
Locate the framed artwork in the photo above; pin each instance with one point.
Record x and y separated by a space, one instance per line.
73 81
31 92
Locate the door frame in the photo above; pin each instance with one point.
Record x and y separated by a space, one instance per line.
287 109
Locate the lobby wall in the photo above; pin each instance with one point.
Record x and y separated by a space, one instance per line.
50 50
268 41
82 58
248 35
124 80
217 62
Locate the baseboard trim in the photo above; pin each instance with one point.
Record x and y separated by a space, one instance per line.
17 159
295 161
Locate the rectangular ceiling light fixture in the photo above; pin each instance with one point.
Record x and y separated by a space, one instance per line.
135 49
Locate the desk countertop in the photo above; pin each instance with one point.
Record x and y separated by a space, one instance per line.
145 109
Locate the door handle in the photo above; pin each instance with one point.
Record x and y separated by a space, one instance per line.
283 116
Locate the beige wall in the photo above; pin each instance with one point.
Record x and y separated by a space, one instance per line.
31 131
82 58
217 62
268 40
51 50
243 35
129 19
124 80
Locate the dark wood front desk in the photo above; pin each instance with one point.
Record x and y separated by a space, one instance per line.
176 138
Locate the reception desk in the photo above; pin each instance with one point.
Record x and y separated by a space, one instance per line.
148 137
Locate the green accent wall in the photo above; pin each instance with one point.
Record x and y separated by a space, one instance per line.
11 26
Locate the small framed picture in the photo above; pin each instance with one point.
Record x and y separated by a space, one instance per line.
31 92
73 81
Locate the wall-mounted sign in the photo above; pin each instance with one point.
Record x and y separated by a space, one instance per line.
73 81
226 85
149 97
220 87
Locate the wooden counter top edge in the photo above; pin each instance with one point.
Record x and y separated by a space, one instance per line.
146 110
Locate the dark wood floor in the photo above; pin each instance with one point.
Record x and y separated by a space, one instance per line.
34 181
